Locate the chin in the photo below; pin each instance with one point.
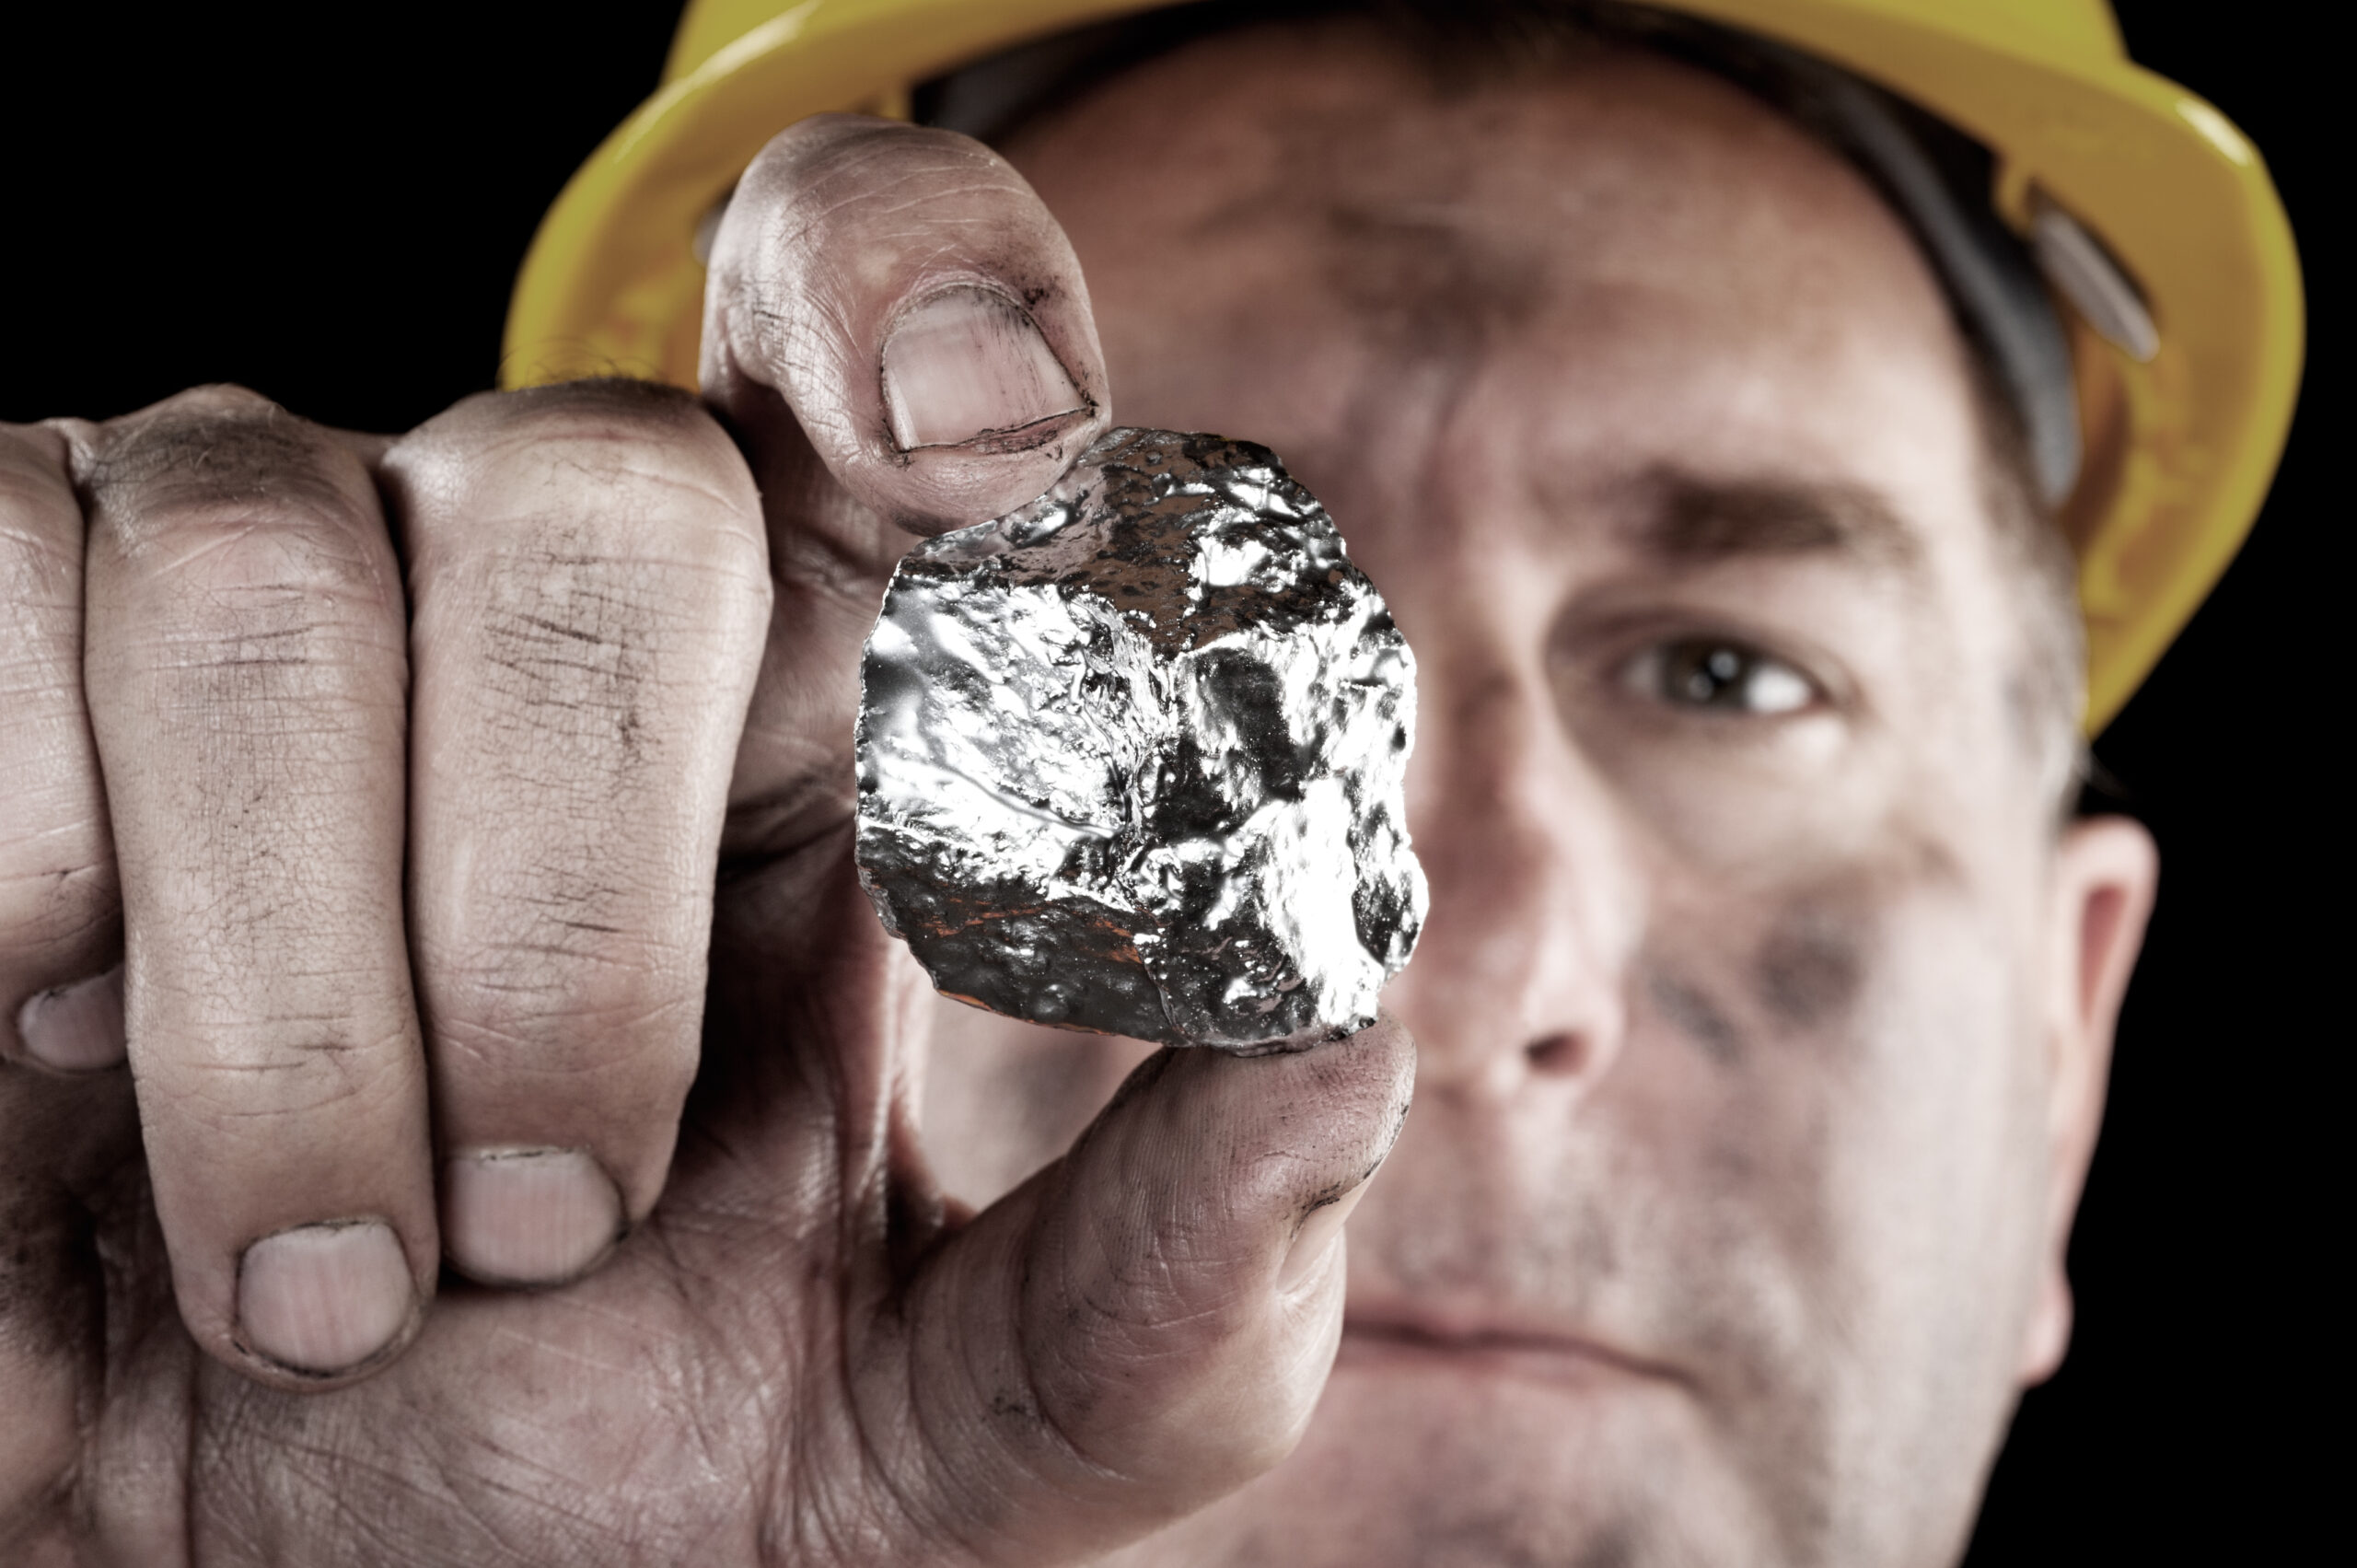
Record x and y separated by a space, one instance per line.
1430 1456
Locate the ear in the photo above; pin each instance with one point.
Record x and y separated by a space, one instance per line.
2105 871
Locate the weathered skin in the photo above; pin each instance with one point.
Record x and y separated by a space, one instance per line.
1131 759
1760 1027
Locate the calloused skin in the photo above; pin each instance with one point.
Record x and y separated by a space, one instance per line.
1760 1050
405 768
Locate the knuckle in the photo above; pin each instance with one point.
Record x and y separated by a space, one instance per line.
251 626
568 934
605 542
212 442
582 939
263 562
619 409
838 215
57 906
833 221
632 468
591 687
567 1001
831 161
233 503
267 1070
34 481
40 557
213 398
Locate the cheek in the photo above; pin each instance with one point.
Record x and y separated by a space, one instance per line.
1944 1160
1837 1093
1867 1050
1947 1179
1754 812
1930 1121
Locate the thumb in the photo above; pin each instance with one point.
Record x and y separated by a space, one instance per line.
1147 1324
907 298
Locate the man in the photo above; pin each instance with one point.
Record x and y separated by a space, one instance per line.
1759 1029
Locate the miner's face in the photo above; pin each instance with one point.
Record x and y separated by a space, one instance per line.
1723 1228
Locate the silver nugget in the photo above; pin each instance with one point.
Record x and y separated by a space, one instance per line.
1131 759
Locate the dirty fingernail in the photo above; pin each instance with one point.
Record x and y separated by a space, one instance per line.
528 1216
323 1298
1314 1245
967 362
76 1027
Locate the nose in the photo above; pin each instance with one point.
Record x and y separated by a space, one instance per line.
1535 905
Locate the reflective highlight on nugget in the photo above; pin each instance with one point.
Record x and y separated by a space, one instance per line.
1131 759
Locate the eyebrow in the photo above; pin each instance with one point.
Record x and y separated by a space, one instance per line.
1691 520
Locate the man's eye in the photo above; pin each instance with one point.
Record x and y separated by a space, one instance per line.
1704 672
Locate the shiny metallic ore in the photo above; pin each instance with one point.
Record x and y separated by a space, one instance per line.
1131 759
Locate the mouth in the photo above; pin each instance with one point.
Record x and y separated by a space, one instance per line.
1387 1338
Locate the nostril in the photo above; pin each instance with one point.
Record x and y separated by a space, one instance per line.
1557 1054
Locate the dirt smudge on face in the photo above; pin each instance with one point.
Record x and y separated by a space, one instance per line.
1809 970
1697 1019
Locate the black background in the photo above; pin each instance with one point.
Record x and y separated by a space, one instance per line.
329 205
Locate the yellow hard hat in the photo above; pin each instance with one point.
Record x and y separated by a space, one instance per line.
2180 432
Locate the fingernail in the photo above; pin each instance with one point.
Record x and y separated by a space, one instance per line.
1314 1245
967 362
76 1027
324 1298
528 1216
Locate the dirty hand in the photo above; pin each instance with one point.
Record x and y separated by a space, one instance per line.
435 852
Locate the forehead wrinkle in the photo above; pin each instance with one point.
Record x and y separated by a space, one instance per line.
1405 257
1413 274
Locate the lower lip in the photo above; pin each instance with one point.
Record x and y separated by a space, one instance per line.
1382 1348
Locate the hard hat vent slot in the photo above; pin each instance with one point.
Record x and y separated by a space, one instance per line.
2083 271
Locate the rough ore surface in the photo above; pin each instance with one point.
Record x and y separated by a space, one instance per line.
1131 759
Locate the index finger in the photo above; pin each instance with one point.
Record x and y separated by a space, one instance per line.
908 298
